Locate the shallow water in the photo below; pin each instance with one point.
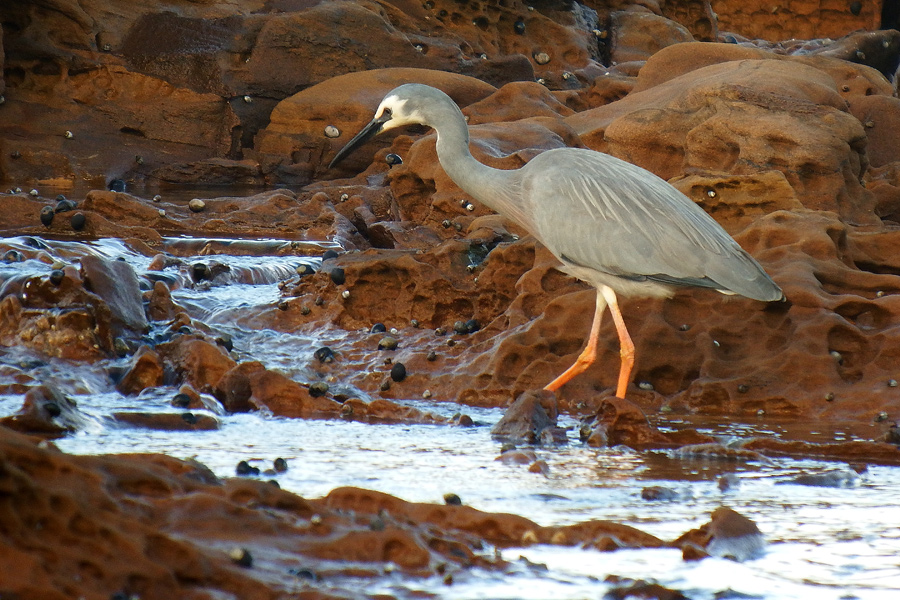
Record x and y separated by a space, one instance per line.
823 543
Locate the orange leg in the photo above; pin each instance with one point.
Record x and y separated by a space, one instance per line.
589 354
626 346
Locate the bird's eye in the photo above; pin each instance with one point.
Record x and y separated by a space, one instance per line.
386 112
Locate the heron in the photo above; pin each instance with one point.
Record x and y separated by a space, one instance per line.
611 224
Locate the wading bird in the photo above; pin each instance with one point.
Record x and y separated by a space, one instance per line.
612 224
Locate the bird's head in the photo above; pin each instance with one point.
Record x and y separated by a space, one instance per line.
402 106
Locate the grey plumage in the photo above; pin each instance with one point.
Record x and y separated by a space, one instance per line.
610 223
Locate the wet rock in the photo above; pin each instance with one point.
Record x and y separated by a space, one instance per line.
620 421
657 493
46 412
829 479
624 589
727 535
186 421
287 398
116 283
715 90
717 451
233 389
145 370
528 417
161 307
198 362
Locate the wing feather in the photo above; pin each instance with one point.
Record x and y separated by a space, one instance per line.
608 215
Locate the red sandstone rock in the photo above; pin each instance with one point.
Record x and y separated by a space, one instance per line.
146 370
46 412
528 417
197 361
116 283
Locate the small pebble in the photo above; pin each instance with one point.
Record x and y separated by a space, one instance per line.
157 198
393 159
426 394
452 500
460 327
181 401
245 468
47 214
337 276
15 153
881 417
542 58
324 354
394 331
387 343
332 132
65 205
345 197
189 418
385 385
892 383
248 99
345 294
414 323
451 342
829 397
519 27
199 271
432 356
138 159
69 135
743 388
440 331
280 465
398 372
319 301
78 221
646 385
283 305
304 270
56 276
319 388
225 341
304 310
329 254
197 205
315 520
472 325
378 328
116 185
34 193
446 223
241 556
658 493
161 212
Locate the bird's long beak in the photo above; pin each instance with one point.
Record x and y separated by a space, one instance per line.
374 127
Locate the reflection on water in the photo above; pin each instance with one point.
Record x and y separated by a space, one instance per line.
824 543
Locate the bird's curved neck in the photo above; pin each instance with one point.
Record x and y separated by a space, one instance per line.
495 188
